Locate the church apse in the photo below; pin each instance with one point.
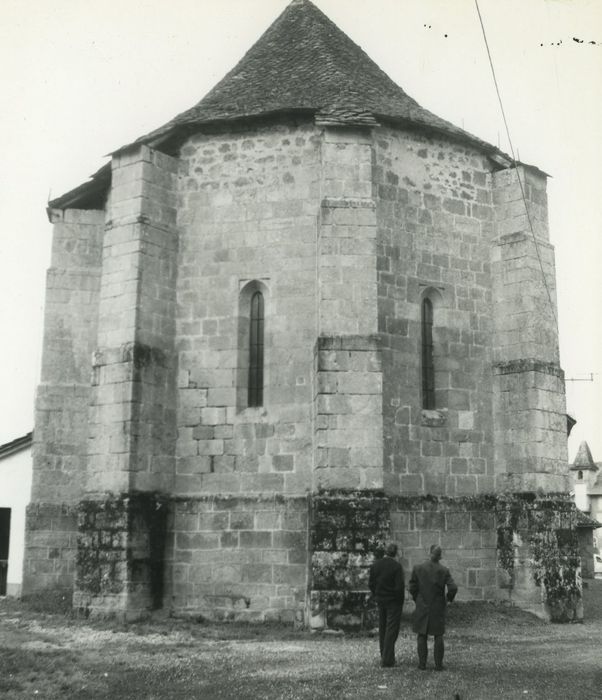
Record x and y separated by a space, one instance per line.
316 323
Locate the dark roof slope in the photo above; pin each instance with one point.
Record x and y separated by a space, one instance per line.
587 522
303 63
584 459
16 445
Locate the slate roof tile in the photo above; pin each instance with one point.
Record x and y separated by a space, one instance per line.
584 459
303 61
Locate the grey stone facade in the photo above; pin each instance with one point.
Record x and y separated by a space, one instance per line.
344 225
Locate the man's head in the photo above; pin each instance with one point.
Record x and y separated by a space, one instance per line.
391 550
436 552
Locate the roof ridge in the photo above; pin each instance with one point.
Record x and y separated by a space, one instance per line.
303 60
303 63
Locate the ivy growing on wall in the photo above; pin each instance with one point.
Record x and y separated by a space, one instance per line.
546 524
347 527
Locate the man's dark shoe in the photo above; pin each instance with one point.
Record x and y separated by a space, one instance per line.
422 667
439 668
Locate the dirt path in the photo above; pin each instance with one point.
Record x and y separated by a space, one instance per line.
492 652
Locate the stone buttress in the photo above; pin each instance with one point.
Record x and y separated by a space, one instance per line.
411 386
62 399
132 408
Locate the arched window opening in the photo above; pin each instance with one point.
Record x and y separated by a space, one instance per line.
428 364
580 475
256 347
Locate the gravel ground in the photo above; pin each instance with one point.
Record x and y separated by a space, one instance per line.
492 652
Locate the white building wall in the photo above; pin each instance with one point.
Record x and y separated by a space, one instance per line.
15 491
581 498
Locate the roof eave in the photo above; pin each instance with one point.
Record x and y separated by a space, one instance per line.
11 448
168 132
586 522
180 131
82 196
95 188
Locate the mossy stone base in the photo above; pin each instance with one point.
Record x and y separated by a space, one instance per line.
120 553
346 528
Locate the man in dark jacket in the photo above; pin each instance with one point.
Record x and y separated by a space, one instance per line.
428 584
387 586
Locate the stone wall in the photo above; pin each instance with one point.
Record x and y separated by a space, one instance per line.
248 207
530 429
528 390
522 548
70 322
519 547
238 557
349 375
348 412
62 398
346 529
132 406
50 550
347 234
434 213
524 313
586 550
452 228
120 555
466 530
344 232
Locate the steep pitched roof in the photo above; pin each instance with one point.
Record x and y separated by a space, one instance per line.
304 64
584 459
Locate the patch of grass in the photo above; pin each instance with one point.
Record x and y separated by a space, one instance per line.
49 602
30 670
493 651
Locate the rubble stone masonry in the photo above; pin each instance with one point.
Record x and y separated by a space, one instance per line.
344 231
435 224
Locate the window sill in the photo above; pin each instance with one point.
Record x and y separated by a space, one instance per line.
251 414
434 418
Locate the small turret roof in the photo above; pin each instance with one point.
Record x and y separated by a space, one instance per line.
584 459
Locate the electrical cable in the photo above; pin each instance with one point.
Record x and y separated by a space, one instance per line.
516 163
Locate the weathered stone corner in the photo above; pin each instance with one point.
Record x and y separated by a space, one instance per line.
120 554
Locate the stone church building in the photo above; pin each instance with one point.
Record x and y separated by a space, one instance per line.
304 317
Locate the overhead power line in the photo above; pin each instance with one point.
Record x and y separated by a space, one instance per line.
515 163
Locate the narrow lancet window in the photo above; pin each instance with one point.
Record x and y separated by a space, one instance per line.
256 319
428 364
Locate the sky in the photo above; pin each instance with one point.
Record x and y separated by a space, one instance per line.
78 79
